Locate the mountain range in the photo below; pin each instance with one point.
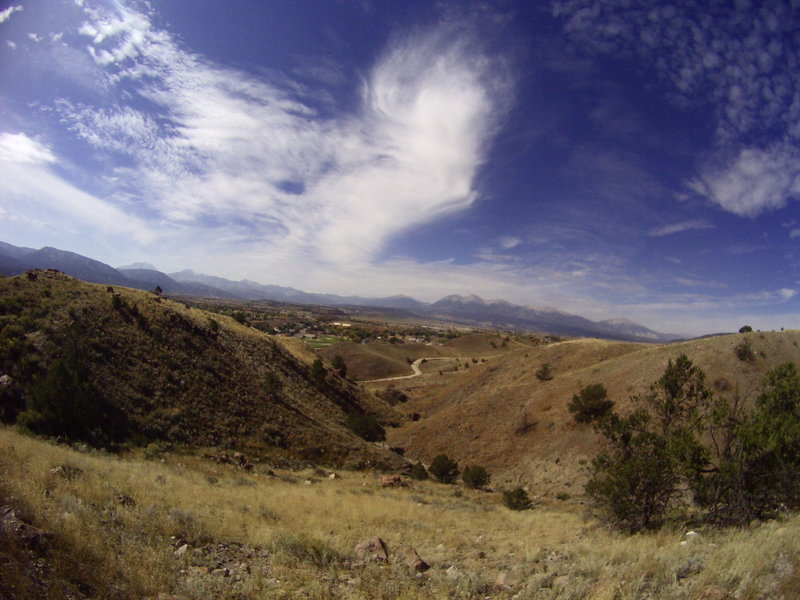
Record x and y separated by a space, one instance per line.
470 310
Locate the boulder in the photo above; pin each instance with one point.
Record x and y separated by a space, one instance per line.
395 481
372 549
413 560
714 592
68 472
12 525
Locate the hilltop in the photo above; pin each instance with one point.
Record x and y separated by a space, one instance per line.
143 369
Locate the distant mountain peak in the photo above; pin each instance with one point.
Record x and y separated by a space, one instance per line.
139 265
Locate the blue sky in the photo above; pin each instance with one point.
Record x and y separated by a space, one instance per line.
638 162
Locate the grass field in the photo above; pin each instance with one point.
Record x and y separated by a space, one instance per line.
120 526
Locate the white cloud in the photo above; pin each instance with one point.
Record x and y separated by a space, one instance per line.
230 146
34 196
5 15
794 233
509 242
19 148
741 63
753 182
679 227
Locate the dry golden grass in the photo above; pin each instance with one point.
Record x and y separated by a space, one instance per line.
307 532
476 417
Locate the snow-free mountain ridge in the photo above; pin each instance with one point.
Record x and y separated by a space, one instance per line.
469 310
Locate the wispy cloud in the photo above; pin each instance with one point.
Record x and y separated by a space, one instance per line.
742 61
5 15
228 144
33 195
509 242
754 181
679 228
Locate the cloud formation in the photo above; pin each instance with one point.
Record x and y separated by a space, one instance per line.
225 146
679 227
5 15
743 60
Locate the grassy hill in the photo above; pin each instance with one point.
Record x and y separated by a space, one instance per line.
377 360
137 368
184 528
500 415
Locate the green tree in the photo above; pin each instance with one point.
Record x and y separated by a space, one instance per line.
418 472
544 373
635 481
517 499
590 403
444 469
745 329
475 477
66 403
318 372
757 466
339 365
366 427
654 451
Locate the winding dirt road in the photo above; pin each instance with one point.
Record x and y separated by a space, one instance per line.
414 367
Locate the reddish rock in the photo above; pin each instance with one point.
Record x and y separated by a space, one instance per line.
373 549
413 560
395 481
13 525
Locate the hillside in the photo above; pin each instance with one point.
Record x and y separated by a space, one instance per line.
139 368
184 528
501 416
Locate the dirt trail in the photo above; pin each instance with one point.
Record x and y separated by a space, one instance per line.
414 367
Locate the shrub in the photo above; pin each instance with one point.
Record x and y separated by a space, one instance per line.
744 351
517 499
66 403
393 396
475 477
653 451
318 373
366 427
444 469
757 470
544 373
745 329
633 485
418 472
339 365
590 403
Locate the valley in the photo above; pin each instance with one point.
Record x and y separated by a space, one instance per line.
216 453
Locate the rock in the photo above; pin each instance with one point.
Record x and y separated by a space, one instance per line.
5 381
181 551
714 592
372 549
395 481
691 537
68 472
501 580
125 500
453 572
308 482
692 567
413 560
13 525
334 476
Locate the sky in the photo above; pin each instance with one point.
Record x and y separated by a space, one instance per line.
635 159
